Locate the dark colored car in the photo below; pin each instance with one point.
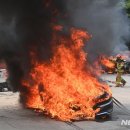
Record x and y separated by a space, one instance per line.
127 66
4 87
106 108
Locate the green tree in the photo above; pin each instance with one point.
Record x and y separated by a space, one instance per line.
128 7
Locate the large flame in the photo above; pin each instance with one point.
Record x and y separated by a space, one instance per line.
65 88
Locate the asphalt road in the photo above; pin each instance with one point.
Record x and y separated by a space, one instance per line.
14 117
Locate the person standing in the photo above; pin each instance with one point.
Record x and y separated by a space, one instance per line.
120 70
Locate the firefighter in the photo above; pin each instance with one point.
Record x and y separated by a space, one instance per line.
120 70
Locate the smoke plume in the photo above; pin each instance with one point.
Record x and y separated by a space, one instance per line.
106 20
26 27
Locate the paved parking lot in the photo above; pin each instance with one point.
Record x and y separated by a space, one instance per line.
14 117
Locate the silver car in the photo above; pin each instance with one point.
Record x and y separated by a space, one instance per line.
3 80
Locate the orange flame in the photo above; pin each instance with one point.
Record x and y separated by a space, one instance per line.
107 62
65 88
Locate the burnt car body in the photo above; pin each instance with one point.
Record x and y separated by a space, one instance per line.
106 108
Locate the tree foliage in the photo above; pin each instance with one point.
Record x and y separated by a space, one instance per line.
128 7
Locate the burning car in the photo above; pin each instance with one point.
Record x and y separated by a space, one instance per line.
109 64
65 88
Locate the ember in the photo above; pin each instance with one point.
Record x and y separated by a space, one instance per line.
65 88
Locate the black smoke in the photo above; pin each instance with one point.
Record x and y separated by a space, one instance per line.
26 27
106 20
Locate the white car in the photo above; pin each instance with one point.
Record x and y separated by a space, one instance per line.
3 80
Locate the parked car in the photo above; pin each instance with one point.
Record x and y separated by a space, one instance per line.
127 67
3 80
113 70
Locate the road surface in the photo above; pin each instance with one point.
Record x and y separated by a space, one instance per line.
14 117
